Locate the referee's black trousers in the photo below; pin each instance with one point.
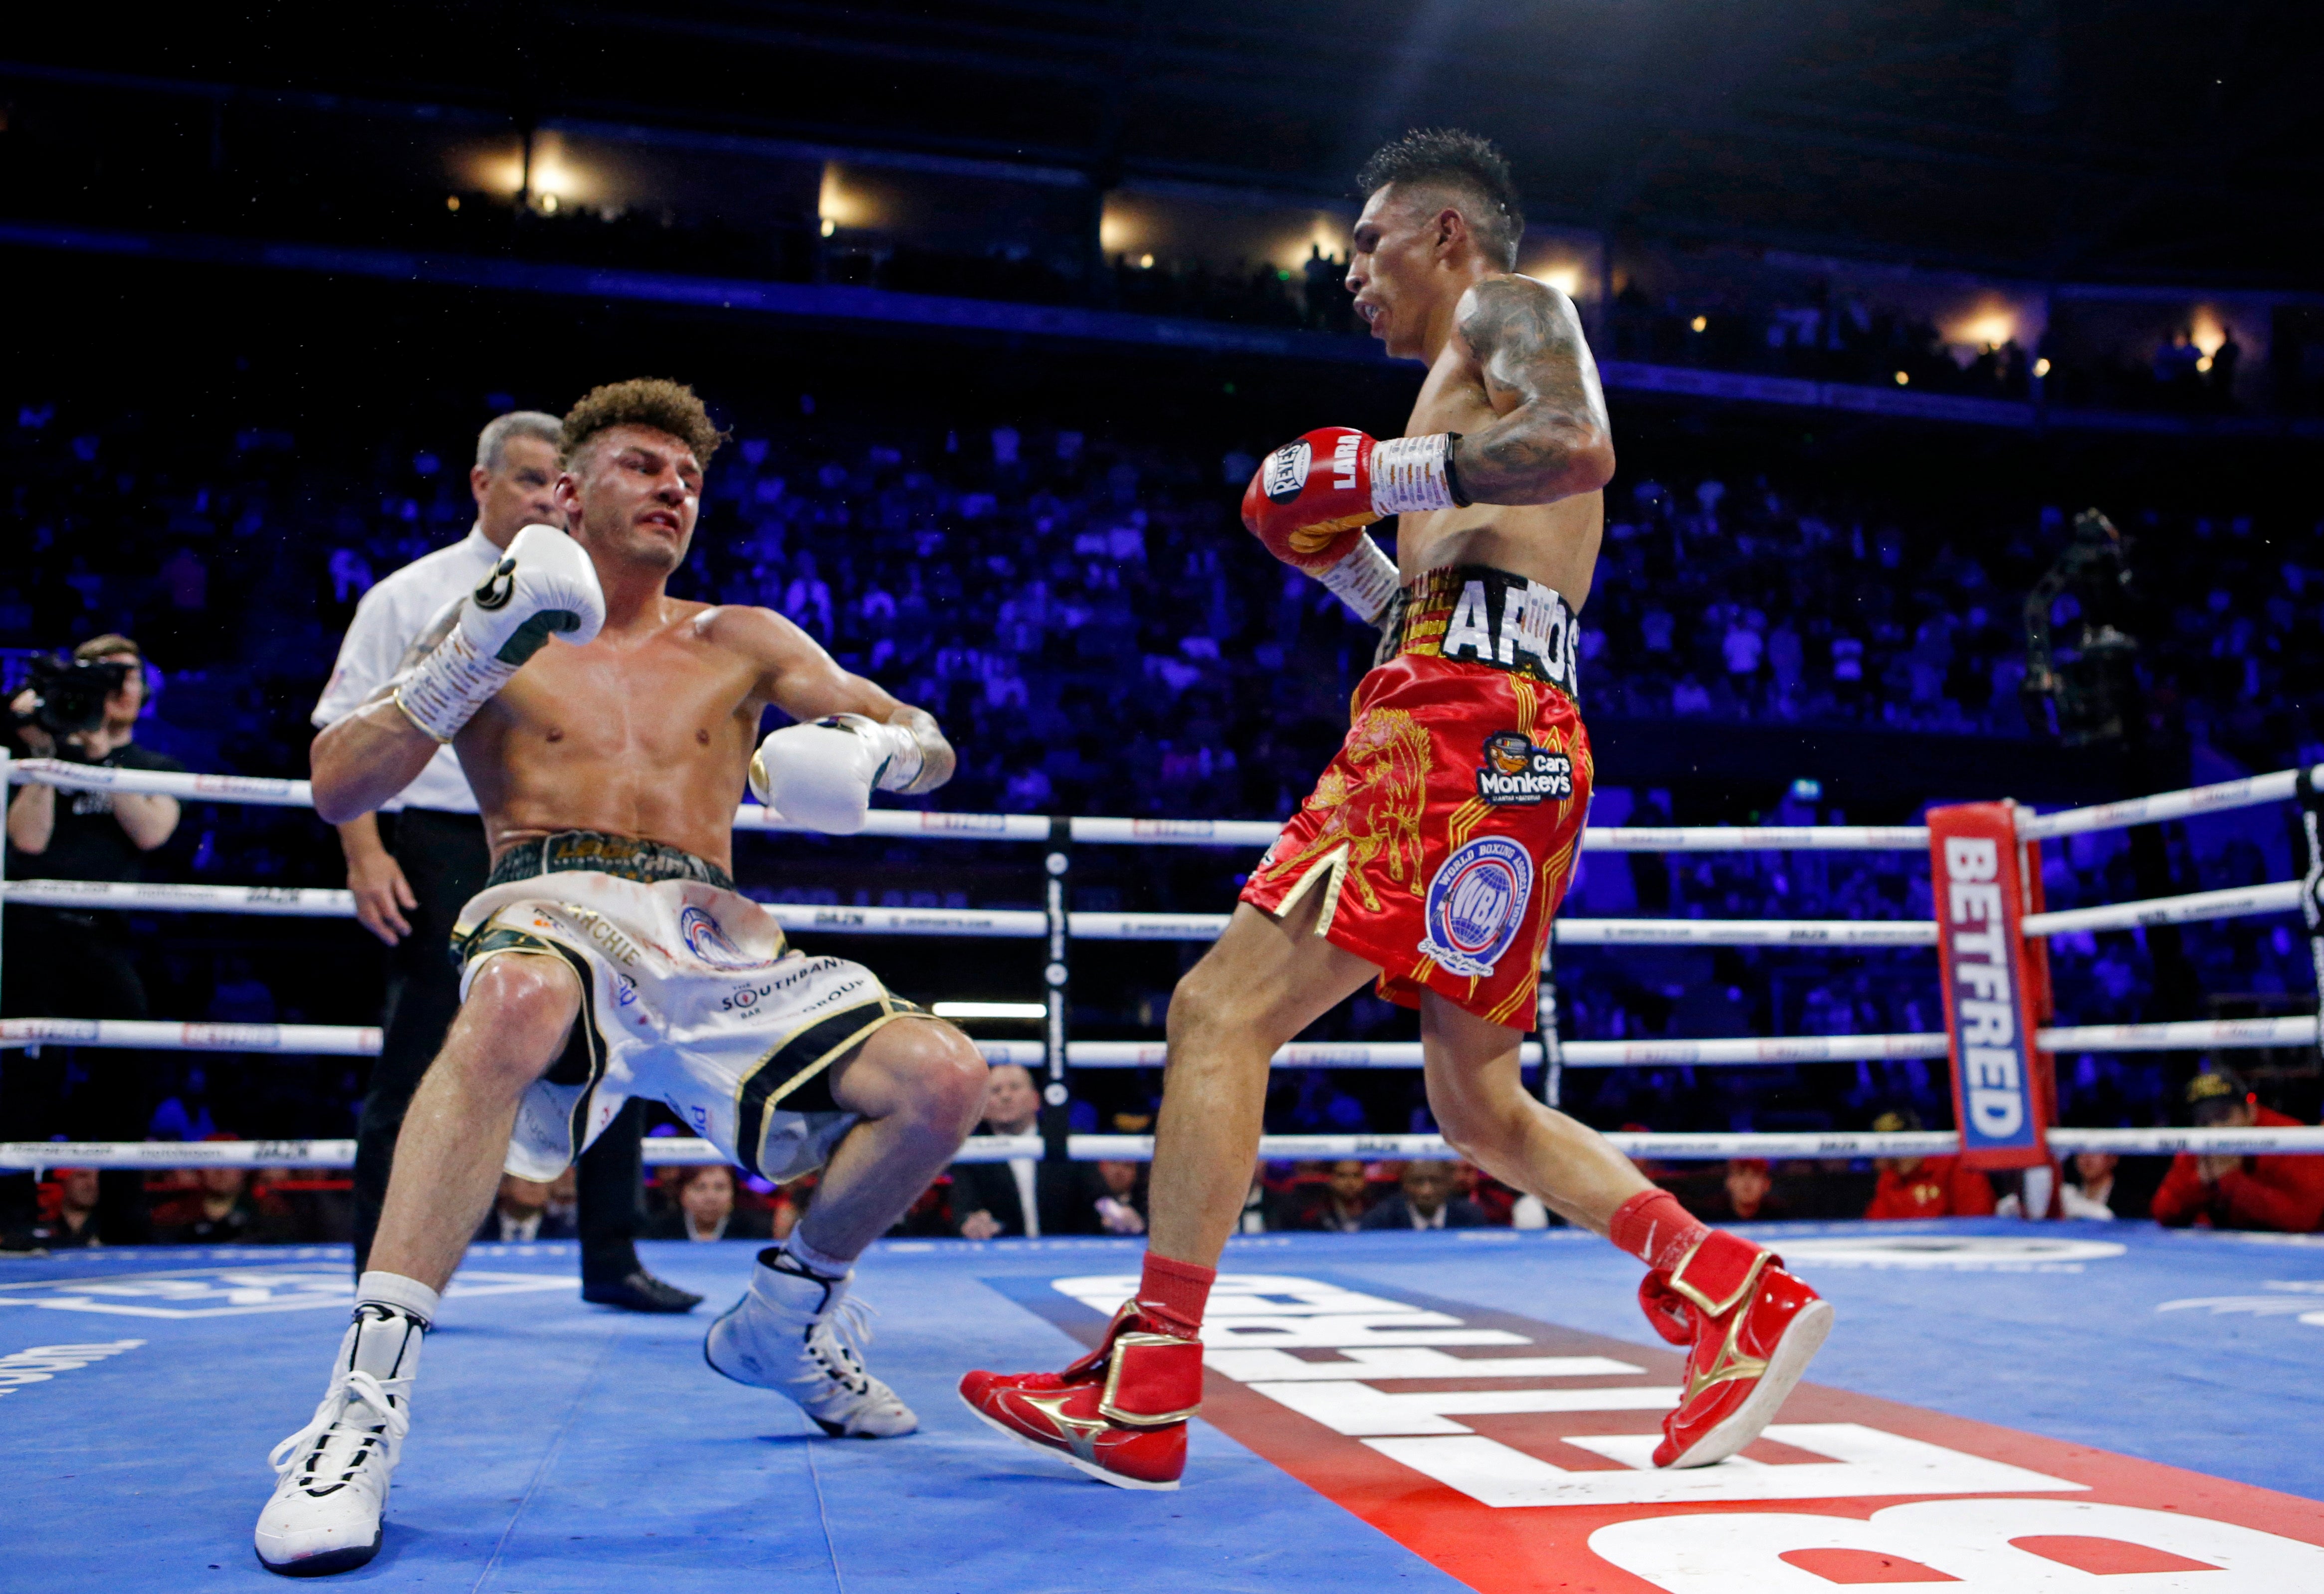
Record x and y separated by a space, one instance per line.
444 857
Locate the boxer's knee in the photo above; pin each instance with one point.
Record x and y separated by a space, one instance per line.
1481 1114
928 1070
516 1019
1217 994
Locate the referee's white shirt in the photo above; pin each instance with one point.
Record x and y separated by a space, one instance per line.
389 616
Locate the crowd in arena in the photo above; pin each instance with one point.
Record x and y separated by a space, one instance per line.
1099 637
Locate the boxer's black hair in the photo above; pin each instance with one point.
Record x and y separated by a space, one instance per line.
646 400
1452 157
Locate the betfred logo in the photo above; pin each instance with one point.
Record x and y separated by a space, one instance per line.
1973 853
1285 474
1515 1456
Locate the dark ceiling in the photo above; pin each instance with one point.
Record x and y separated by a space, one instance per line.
2116 139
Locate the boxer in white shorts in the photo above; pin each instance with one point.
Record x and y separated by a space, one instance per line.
610 956
694 1001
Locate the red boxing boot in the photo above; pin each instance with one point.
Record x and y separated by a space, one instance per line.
1119 1414
1751 1328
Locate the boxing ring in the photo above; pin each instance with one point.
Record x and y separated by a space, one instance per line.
2006 1408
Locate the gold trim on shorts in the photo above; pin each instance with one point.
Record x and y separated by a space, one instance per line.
797 1061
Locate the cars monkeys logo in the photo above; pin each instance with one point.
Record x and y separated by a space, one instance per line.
1476 903
498 587
1514 773
1286 471
708 940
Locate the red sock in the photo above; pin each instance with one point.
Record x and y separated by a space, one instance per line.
1173 1293
1655 1228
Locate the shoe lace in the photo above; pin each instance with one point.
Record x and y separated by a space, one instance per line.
347 1390
836 1342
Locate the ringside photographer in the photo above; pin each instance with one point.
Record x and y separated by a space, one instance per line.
76 963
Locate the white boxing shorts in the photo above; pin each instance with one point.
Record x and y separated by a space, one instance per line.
694 999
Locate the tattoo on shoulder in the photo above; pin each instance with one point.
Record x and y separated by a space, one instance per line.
1535 366
1522 334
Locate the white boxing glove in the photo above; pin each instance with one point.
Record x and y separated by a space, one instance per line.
821 776
544 586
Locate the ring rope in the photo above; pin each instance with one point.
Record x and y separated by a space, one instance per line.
1778 1051
2252 791
675 1151
1031 924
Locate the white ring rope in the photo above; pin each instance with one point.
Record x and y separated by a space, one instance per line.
1031 925
1779 1051
2236 902
1034 828
2248 793
674 1151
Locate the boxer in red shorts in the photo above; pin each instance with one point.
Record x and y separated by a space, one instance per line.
1432 852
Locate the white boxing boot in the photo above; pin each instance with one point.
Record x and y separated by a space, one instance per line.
795 1332
332 1487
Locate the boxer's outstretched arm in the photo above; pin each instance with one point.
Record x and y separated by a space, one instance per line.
807 683
1556 442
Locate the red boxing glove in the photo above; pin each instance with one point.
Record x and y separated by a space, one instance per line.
1311 498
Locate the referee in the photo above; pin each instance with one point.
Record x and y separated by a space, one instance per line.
413 865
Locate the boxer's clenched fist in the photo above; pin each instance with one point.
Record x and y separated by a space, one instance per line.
1310 499
544 586
821 776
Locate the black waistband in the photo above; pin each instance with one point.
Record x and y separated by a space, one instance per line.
628 856
1482 615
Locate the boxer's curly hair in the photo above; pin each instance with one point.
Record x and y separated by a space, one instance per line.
1471 167
655 402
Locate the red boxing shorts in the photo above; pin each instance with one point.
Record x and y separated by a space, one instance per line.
1442 834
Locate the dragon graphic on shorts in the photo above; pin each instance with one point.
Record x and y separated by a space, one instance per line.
1375 793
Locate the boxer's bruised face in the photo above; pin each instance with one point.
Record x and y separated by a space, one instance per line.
1398 260
631 496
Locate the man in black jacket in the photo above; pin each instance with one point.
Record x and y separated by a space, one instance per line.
1425 1200
1025 1195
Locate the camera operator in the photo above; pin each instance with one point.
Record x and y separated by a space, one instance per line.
415 864
76 963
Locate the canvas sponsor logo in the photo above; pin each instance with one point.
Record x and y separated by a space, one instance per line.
239 1292
37 1364
1516 1455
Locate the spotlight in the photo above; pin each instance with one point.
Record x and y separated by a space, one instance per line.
990 1010
451 202
1903 380
2042 366
1699 323
1145 262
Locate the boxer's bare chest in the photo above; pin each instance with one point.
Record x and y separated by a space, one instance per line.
638 735
1555 544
